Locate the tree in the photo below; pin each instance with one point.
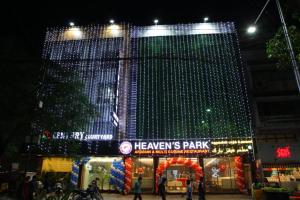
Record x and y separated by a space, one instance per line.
65 107
277 47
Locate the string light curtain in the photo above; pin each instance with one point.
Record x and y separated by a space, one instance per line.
188 82
164 82
92 55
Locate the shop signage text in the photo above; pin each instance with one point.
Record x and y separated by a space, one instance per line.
164 147
283 152
171 145
81 136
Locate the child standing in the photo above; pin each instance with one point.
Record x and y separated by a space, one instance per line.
137 189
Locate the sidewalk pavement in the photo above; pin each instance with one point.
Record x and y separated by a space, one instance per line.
169 197
178 197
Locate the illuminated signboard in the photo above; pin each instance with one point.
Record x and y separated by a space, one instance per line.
81 136
283 152
164 147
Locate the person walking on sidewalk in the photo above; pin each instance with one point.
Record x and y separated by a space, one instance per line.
162 188
189 190
201 190
137 189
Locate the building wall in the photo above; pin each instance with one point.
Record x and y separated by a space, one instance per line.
267 151
275 103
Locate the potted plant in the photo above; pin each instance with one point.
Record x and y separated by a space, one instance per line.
277 193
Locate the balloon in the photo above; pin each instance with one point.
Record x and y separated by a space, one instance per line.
198 169
194 165
159 170
240 173
128 175
161 167
188 162
180 160
168 164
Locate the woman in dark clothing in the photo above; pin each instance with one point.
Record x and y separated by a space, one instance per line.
162 188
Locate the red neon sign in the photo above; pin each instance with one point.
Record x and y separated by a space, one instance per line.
283 152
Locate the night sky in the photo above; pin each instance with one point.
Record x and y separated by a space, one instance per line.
28 21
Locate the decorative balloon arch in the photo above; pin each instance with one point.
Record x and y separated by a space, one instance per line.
185 161
128 175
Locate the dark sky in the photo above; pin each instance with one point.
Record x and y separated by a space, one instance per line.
28 21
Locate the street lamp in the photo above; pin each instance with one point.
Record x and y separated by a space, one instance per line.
252 29
155 21
111 21
205 19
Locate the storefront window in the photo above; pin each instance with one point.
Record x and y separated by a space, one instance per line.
143 167
98 167
177 175
289 176
219 174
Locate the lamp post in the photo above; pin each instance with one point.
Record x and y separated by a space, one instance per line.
252 29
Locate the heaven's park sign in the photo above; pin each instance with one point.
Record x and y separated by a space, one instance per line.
164 147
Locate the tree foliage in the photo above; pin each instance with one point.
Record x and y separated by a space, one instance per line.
277 46
65 108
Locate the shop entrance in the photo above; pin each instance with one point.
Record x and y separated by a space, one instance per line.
178 171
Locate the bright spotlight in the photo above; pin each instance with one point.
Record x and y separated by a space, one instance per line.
205 19
155 21
111 21
72 24
251 29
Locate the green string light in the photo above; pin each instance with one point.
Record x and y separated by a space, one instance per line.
203 86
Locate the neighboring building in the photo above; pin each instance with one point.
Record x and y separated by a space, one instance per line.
276 107
170 98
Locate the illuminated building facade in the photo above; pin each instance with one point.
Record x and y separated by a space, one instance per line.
175 92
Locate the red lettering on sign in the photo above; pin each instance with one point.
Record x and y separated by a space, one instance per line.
283 152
